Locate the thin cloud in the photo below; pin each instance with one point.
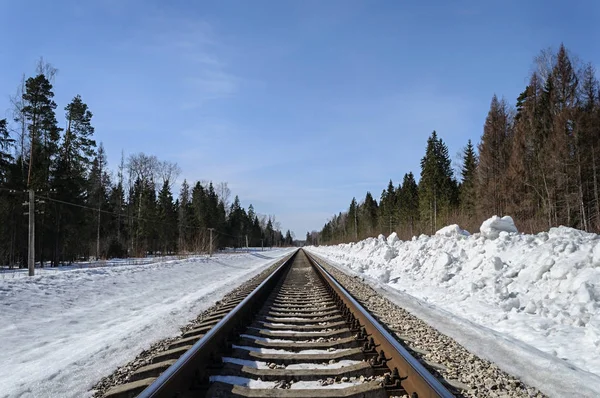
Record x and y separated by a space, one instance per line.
194 53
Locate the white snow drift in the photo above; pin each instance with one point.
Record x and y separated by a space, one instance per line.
61 332
542 290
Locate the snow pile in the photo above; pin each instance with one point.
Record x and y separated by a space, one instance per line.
452 230
63 331
492 227
543 289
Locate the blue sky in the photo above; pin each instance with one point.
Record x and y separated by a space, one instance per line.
298 105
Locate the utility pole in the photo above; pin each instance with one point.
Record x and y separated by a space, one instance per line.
99 205
98 236
210 247
31 249
355 225
247 242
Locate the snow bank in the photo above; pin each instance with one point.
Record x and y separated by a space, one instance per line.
61 332
542 290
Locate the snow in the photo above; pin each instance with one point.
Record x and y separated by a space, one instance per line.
279 351
452 230
492 227
288 332
63 331
335 365
530 303
243 381
299 385
296 366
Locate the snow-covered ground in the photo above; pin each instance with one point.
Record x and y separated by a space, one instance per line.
60 332
530 303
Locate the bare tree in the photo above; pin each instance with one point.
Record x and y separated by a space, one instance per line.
17 105
544 63
46 69
223 192
143 167
169 171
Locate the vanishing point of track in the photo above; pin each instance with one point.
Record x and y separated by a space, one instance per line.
296 334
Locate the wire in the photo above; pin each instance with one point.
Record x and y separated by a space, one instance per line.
18 191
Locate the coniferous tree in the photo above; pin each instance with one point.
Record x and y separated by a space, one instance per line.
6 143
167 217
368 216
437 185
493 158
7 201
468 195
409 202
352 225
38 112
387 208
269 234
185 217
289 241
75 181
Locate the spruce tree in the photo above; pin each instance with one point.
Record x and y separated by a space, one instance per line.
437 185
352 225
409 202
493 160
289 241
167 217
368 216
6 143
185 217
468 198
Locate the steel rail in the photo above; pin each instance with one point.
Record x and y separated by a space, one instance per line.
418 379
177 377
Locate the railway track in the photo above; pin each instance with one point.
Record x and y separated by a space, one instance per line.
297 334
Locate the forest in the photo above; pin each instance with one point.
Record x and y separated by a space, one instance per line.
83 210
536 161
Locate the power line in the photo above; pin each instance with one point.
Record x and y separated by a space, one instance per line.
124 214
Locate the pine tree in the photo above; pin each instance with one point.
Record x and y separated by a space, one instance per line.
43 130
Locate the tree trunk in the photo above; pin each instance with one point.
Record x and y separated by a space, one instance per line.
596 198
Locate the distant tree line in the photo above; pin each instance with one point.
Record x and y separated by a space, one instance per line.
83 211
537 161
